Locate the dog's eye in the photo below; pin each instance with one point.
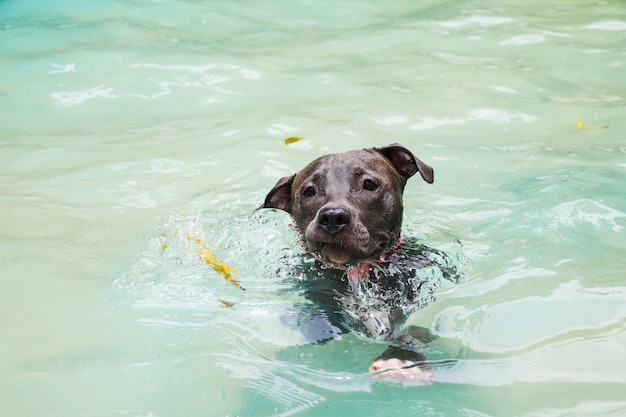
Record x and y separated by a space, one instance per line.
369 185
308 192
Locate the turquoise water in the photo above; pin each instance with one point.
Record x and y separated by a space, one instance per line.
130 127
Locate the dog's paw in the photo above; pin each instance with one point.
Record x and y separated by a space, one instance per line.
401 370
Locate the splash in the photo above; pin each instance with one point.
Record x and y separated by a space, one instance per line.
187 233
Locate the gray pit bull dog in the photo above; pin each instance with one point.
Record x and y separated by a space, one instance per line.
348 208
349 205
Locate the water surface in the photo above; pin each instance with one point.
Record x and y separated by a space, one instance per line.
130 126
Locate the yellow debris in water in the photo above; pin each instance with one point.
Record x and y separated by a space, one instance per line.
581 125
225 303
292 139
225 270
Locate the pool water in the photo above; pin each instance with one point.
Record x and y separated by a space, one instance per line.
138 136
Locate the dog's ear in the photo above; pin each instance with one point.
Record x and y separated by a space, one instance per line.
280 196
406 163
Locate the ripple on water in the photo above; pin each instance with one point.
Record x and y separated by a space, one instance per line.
521 40
611 25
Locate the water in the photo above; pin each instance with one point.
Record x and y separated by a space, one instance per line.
123 121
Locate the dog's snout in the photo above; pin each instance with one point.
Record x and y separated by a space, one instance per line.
333 220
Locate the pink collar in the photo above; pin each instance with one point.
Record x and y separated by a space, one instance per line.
361 270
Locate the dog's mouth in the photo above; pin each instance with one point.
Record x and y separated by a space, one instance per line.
332 252
349 245
340 254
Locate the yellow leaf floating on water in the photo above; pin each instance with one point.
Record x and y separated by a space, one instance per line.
581 125
226 303
292 139
225 270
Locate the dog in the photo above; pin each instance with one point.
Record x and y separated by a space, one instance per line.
348 208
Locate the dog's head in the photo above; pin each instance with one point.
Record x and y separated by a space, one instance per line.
348 206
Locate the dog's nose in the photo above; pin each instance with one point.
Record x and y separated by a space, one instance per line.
333 220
